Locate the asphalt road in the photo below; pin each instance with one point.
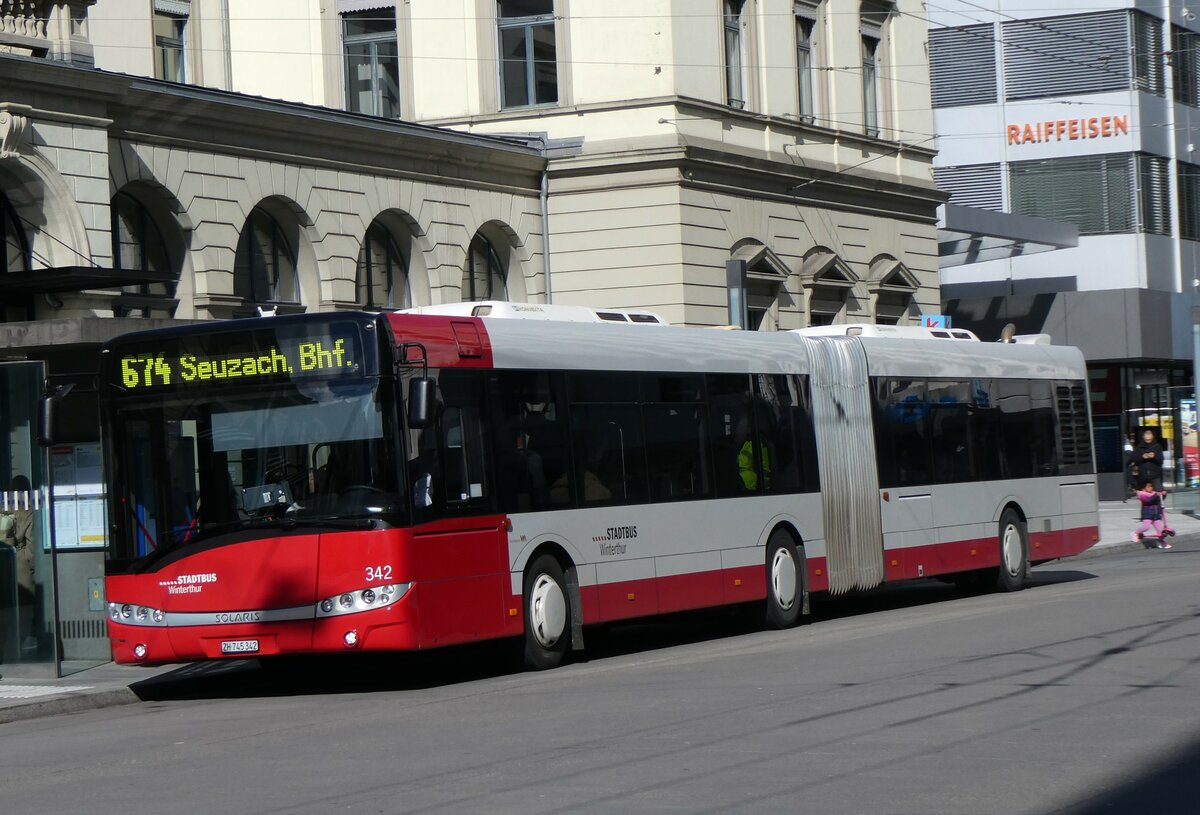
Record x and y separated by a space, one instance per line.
1079 695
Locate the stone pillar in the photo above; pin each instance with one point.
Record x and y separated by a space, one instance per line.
67 32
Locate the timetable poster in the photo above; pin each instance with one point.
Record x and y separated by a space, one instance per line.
78 497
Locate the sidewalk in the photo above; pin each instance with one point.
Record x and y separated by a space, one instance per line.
113 684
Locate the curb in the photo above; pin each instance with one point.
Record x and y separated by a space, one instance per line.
72 703
1100 549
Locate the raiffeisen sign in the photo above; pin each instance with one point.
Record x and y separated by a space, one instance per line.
1092 127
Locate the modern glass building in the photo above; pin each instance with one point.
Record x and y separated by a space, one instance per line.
1086 114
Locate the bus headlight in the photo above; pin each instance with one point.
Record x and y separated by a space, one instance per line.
364 599
130 614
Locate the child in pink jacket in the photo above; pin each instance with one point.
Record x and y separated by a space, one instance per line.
1152 518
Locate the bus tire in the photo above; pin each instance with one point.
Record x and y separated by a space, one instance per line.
785 581
1014 552
547 614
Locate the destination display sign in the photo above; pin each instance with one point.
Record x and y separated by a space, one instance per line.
296 351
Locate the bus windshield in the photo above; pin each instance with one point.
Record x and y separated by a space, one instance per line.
194 465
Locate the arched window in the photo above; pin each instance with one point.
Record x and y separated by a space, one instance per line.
484 278
265 268
16 258
138 245
382 271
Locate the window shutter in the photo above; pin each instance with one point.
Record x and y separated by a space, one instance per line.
973 185
1147 53
1154 185
1062 56
962 64
1189 201
1185 66
1096 193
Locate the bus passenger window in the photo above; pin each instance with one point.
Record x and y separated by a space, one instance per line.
530 427
902 433
949 412
784 428
609 454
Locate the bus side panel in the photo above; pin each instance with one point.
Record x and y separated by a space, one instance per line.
1080 523
689 581
626 589
461 580
744 574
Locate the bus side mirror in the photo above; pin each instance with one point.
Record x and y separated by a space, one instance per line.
47 407
420 400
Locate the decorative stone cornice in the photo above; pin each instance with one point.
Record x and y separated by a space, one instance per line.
14 129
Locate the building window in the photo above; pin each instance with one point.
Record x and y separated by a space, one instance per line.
484 277
972 185
1121 192
1042 57
962 66
372 63
735 80
1185 66
528 58
169 29
16 246
829 282
1147 53
1189 201
264 270
382 271
873 18
138 245
1154 193
870 85
805 23
16 258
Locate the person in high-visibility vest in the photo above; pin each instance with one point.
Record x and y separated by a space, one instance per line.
745 458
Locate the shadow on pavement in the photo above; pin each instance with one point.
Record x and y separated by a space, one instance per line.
1164 788
367 673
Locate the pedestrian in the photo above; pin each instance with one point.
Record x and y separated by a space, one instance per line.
1129 466
1152 519
1148 456
16 530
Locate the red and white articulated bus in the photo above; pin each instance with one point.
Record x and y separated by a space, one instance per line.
359 482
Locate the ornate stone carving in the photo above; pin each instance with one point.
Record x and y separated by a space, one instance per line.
14 130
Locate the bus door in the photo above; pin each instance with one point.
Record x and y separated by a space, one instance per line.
459 553
841 397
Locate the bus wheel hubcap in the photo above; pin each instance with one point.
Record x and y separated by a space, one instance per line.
1012 549
783 578
547 611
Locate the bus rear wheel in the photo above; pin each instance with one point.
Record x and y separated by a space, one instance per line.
547 614
785 581
1014 552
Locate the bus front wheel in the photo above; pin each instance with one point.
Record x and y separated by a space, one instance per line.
1014 552
547 614
785 581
